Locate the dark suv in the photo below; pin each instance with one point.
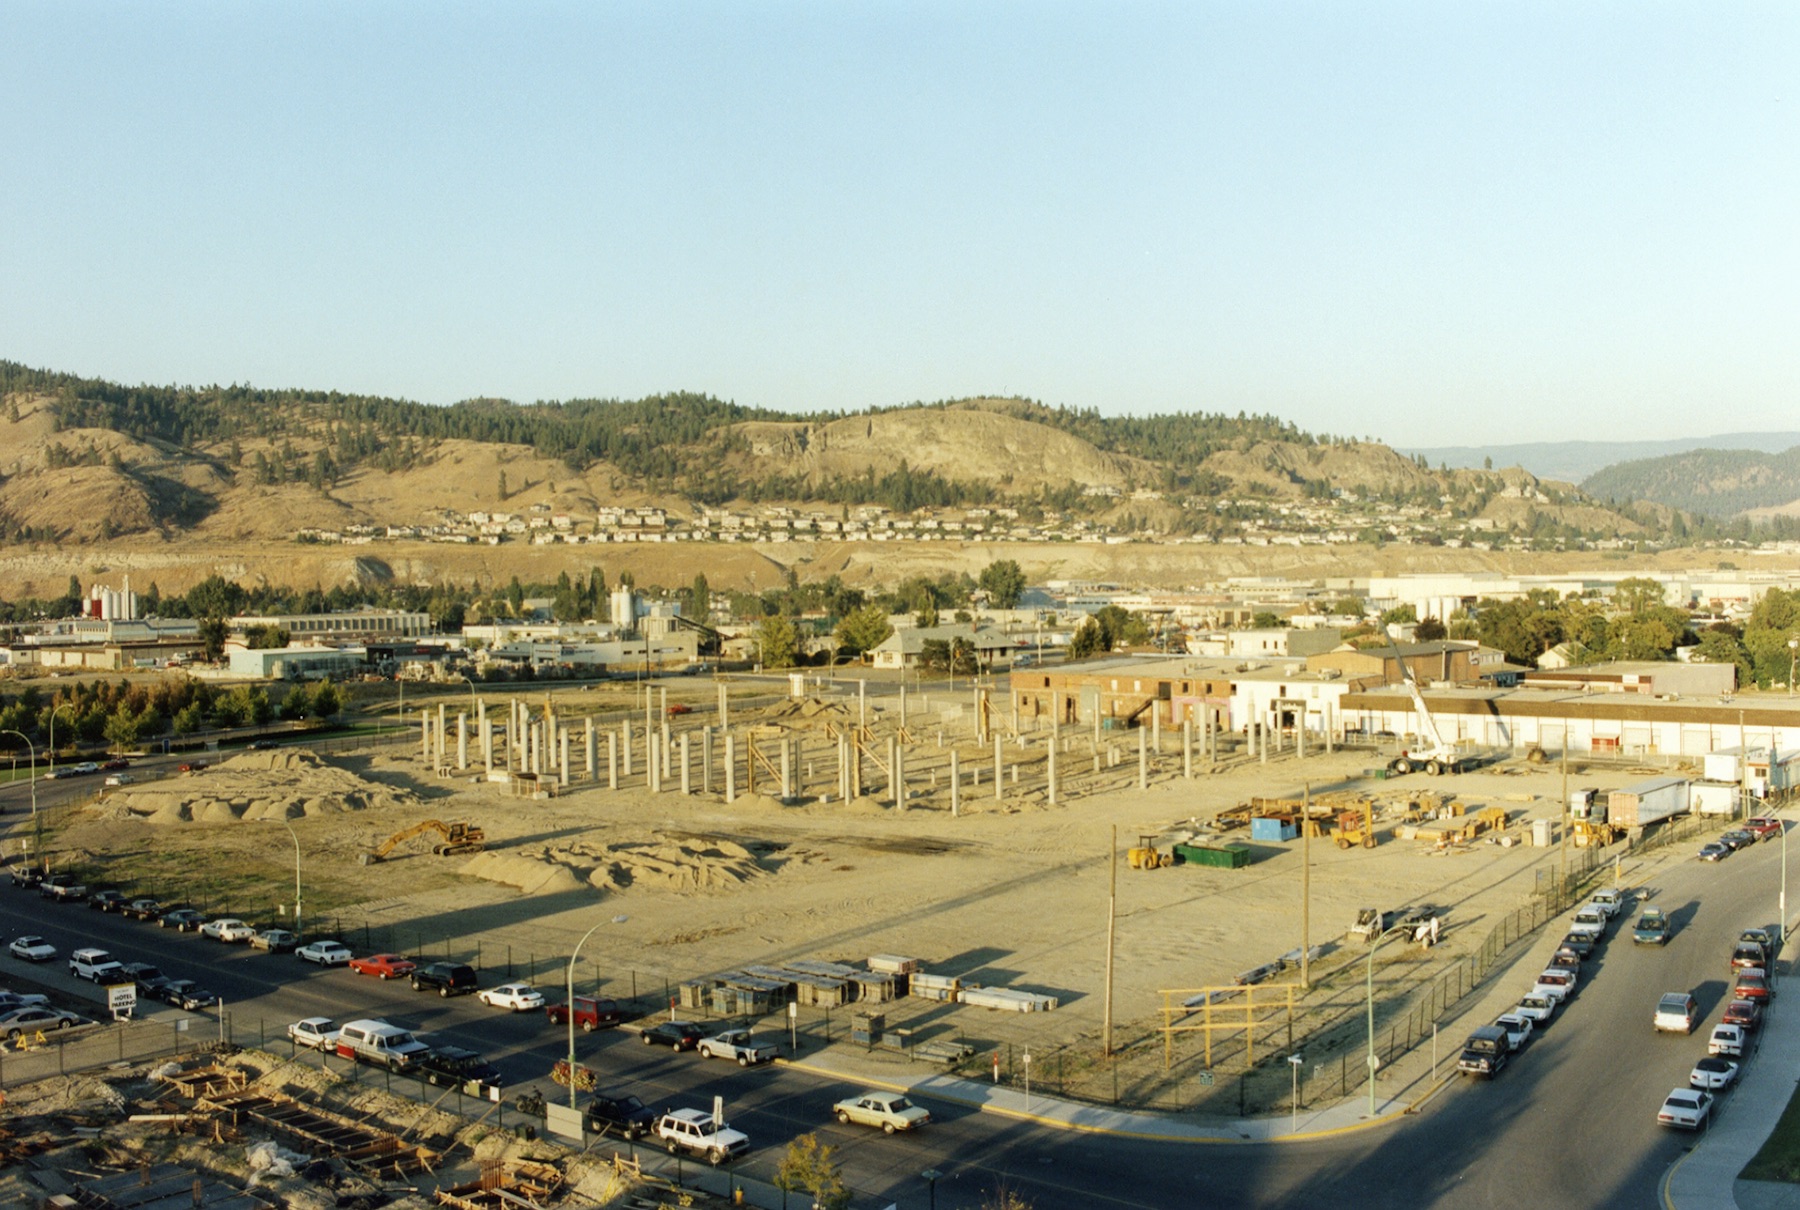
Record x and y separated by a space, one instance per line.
453 1066
448 978
619 1115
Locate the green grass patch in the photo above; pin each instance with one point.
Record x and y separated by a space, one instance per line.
1779 1159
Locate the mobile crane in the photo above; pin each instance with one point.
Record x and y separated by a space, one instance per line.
1439 757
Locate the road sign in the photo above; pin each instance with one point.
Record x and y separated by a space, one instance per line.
718 1112
121 998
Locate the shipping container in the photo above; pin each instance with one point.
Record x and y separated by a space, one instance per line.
1647 802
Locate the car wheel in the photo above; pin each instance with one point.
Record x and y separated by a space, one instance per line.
444 992
648 1040
716 1157
12 1035
63 1024
587 1027
674 1147
743 1060
843 1118
887 1128
384 975
417 986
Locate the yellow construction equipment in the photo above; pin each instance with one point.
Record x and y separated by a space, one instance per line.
459 838
1145 855
1355 828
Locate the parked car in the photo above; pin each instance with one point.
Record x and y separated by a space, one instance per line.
95 965
1746 954
676 1035
1685 1109
382 966
149 979
887 1111
591 1013
1538 1009
260 745
107 901
1565 958
515 997
316 1033
1556 983
1737 839
454 1066
182 920
1753 984
379 1042
1609 900
119 779
32 949
445 978
275 941
738 1046
676 708
142 909
117 762
1745 1013
61 888
1484 1052
625 1116
193 766
1676 1012
1713 1072
1726 1040
1581 944
228 929
693 1131
325 953
1517 1029
1714 851
35 1019
12 1000
1763 827
185 993
25 875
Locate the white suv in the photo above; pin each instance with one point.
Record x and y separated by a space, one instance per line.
693 1131
97 965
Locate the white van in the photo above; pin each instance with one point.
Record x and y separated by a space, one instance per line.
376 1041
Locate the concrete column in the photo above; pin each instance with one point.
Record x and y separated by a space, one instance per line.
787 771
1156 727
1187 748
588 747
999 771
1052 767
487 746
1143 760
724 706
1300 739
667 748
462 740
903 703
1262 749
843 768
652 766
686 788
443 732
1096 724
425 736
893 751
625 745
706 747
563 772
899 762
955 785
730 767
612 760
1330 727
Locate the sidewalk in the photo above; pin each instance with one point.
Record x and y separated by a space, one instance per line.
1706 1178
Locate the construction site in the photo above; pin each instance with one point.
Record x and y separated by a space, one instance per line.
1154 914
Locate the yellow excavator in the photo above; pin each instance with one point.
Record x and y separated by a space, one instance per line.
458 838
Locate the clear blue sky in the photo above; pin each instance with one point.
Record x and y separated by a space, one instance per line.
1432 223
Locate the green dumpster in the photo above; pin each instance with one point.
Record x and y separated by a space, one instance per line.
1224 857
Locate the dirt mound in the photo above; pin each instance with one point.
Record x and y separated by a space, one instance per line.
290 784
663 864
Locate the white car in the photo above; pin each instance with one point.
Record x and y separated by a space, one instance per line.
1610 900
120 779
1536 1008
1713 1072
1558 984
1726 1040
227 928
1685 1109
325 953
518 997
890 1111
320 1033
32 949
1518 1029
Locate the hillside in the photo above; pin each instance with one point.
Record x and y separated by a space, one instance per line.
88 460
1575 461
1711 482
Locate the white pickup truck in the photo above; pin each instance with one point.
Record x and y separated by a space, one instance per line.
736 1044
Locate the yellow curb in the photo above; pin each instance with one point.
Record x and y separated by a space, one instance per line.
1662 1190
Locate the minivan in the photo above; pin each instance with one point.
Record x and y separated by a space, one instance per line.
376 1041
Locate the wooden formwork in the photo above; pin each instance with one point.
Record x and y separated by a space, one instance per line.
326 1134
208 1080
508 1185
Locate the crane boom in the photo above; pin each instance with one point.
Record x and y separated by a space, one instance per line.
1441 756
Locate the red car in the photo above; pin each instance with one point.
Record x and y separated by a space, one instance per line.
1747 1013
117 762
383 966
192 766
679 708
1763 827
1752 984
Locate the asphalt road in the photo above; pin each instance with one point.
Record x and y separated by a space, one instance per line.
1571 1122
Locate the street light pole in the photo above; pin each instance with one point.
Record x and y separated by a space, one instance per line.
1375 944
32 748
931 1176
1294 1062
572 957
54 711
290 827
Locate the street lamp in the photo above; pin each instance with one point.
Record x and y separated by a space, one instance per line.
54 710
32 748
290 827
1782 902
1375 944
572 957
931 1176
1294 1064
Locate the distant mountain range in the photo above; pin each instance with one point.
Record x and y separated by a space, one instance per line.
1575 461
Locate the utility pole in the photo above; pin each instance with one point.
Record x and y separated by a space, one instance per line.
1563 832
1112 915
1305 884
